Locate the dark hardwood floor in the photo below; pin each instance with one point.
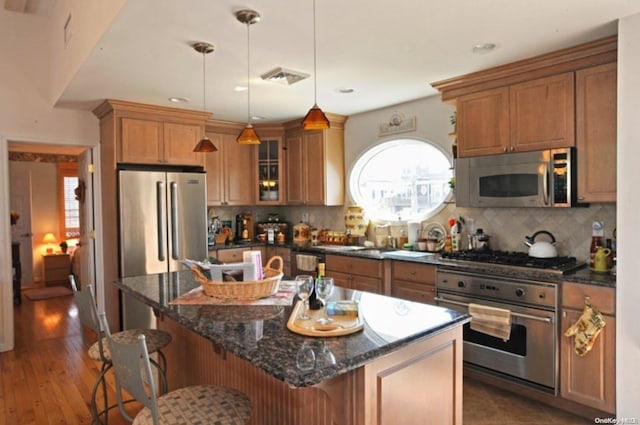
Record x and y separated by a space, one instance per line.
48 378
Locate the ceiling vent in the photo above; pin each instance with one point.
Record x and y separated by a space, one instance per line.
284 76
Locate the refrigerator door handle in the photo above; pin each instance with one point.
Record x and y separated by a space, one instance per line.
162 225
175 246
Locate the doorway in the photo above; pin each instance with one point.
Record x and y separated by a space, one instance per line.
23 181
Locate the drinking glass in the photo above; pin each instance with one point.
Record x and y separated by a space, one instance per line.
324 288
304 286
305 357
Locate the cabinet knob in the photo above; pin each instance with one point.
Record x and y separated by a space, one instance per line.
580 198
512 149
505 149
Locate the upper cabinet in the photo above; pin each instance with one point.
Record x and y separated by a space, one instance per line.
542 113
483 122
230 170
157 142
148 134
315 164
270 184
533 115
527 105
596 98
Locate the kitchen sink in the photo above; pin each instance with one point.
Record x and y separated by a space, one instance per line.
407 254
338 248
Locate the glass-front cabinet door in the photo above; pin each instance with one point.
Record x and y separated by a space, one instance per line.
270 172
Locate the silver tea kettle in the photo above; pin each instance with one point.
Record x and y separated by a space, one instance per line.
542 249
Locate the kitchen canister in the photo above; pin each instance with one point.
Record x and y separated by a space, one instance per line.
356 220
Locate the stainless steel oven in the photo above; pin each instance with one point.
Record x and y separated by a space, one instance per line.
529 356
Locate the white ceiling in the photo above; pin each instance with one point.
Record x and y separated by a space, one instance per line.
386 51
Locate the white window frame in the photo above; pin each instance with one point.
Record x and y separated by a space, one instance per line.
371 151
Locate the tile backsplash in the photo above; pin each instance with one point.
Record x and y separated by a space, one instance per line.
507 227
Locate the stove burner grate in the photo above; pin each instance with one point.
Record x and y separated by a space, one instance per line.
513 258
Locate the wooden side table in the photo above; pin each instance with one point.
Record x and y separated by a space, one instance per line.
57 268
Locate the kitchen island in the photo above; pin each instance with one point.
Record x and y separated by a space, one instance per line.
405 366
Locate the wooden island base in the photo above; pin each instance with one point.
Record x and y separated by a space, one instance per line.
420 383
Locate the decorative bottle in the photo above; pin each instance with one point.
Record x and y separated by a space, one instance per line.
314 304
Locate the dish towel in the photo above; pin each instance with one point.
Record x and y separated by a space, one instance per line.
586 329
307 263
491 320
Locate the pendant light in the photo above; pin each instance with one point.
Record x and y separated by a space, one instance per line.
205 144
248 136
315 118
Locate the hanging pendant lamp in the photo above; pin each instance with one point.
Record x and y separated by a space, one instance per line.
315 118
248 136
205 144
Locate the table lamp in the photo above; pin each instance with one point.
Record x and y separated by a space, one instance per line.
49 239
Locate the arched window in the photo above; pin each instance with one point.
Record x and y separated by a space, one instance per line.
405 179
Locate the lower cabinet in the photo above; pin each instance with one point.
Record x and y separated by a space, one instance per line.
588 379
413 281
356 273
234 255
284 252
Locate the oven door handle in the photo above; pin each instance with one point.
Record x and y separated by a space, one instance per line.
524 316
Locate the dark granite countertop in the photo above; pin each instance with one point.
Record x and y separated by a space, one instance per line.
583 275
258 334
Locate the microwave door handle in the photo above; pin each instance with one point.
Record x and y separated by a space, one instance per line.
545 185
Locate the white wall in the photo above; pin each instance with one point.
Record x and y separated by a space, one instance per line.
432 124
26 115
628 287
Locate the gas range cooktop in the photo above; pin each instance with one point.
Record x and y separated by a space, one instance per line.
516 260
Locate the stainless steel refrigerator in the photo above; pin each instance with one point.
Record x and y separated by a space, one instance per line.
163 219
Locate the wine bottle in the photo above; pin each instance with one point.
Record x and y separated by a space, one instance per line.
314 303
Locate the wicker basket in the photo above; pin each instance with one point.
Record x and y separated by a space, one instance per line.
247 290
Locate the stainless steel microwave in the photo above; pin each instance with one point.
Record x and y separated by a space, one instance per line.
525 179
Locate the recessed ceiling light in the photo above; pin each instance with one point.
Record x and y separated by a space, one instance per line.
483 48
240 88
178 100
257 117
344 90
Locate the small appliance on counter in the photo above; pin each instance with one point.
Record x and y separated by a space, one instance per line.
244 227
268 231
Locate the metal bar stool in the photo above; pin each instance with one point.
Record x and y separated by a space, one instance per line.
197 404
98 350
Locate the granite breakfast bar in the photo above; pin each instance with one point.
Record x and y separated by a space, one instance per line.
405 365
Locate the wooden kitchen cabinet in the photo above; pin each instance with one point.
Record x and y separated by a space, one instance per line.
483 122
57 268
361 274
413 281
596 121
542 113
315 164
230 172
270 172
282 251
148 141
235 255
532 115
588 380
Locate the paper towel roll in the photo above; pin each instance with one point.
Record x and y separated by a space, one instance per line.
413 231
